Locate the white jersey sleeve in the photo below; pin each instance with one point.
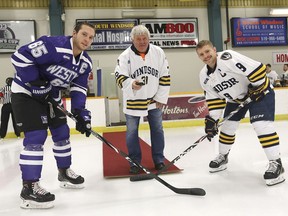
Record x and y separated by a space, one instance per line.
122 71
255 71
164 80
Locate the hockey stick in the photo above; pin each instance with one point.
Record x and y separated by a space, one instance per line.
188 191
151 176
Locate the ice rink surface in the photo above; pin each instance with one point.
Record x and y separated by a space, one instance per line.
238 191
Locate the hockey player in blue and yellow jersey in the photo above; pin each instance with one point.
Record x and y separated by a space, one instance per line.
43 68
229 78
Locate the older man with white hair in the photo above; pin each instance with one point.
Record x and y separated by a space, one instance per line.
142 72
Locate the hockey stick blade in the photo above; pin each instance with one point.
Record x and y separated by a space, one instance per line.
191 191
141 177
188 191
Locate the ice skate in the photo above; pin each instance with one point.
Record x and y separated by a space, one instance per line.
274 173
219 163
69 179
33 196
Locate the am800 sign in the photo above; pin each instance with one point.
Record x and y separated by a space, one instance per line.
160 28
171 33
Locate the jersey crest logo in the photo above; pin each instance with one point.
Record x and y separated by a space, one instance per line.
226 56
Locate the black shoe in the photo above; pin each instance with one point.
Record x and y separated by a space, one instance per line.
274 173
219 163
69 179
35 196
159 166
134 170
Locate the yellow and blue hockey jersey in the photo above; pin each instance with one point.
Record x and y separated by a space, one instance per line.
230 79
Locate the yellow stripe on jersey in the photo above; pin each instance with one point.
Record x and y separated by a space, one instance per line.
269 140
226 139
120 80
164 81
214 104
138 104
258 74
265 85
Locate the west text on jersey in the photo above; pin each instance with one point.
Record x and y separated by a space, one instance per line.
62 72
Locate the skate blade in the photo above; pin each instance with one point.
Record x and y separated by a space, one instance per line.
68 185
29 204
271 182
221 168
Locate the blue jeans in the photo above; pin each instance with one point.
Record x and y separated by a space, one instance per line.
156 134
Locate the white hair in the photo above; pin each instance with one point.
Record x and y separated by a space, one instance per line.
139 30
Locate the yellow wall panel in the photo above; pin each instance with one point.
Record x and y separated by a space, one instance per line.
20 4
139 3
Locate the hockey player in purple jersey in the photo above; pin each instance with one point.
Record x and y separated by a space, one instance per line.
44 68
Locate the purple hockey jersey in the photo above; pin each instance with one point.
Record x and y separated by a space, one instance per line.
51 59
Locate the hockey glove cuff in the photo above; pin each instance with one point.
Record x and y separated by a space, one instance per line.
258 92
83 124
211 127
